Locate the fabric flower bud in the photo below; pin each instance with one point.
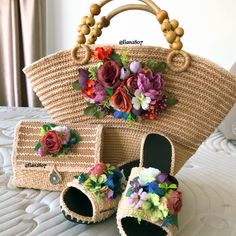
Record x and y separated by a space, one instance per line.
41 152
135 66
124 73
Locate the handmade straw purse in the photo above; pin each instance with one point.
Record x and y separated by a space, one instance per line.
30 170
205 91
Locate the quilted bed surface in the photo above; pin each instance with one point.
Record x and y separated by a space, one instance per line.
208 182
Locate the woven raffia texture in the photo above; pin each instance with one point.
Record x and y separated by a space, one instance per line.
82 158
206 92
101 209
125 209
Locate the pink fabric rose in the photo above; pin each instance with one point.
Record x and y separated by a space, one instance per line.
51 141
98 169
174 202
132 84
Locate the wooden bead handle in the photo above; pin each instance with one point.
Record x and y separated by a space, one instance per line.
88 26
170 29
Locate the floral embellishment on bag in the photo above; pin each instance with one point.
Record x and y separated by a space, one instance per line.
131 91
155 195
56 140
104 180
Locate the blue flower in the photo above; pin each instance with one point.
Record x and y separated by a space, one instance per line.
153 187
120 115
114 182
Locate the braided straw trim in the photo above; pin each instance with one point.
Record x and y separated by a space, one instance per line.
101 209
125 209
206 92
80 160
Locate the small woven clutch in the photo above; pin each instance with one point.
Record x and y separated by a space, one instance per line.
205 91
52 172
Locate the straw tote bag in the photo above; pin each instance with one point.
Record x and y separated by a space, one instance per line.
205 91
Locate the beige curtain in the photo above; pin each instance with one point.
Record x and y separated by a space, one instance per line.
20 45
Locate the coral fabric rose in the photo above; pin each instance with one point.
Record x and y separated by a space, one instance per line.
108 74
131 84
97 170
121 100
51 141
174 202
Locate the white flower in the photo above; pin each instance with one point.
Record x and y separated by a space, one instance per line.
140 101
64 133
135 66
124 73
148 175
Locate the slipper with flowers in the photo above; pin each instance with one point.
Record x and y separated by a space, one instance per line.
94 196
151 200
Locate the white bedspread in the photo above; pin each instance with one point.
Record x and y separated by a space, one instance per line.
208 182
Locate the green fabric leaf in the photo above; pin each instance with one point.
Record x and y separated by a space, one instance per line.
124 55
100 114
171 101
37 146
42 132
110 91
48 127
128 193
172 186
90 111
155 66
76 85
170 220
116 57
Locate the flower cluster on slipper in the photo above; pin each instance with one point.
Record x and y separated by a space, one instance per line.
132 91
154 195
104 180
56 140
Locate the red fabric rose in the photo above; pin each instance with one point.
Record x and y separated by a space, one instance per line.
108 74
174 202
121 100
51 141
97 170
131 84
101 54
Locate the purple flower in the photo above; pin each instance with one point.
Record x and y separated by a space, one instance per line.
135 185
109 195
137 198
99 92
83 77
161 178
150 86
41 152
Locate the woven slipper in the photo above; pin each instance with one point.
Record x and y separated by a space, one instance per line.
94 196
81 205
151 201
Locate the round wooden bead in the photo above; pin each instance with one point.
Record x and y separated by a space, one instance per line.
95 9
177 39
165 26
81 39
166 20
174 24
179 31
177 45
162 15
170 36
96 31
104 21
79 27
83 21
84 29
91 40
90 21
